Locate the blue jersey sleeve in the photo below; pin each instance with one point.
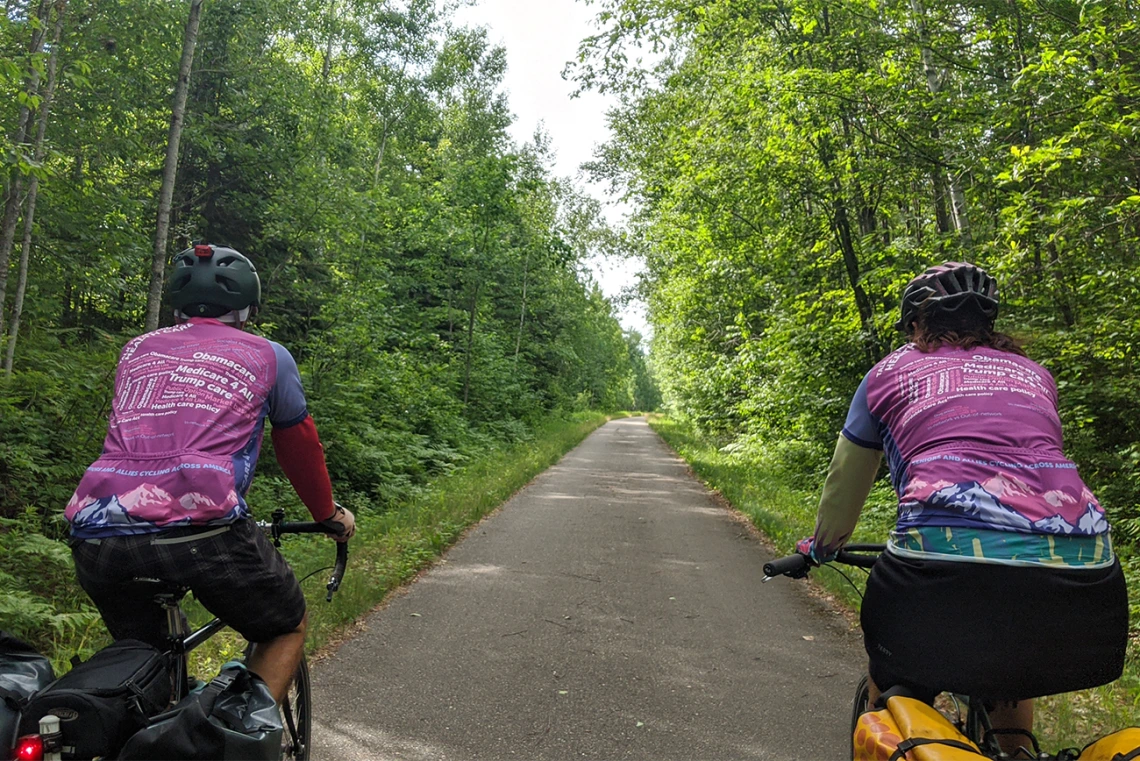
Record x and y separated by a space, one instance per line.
862 427
287 405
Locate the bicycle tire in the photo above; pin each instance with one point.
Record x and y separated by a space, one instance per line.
858 707
297 716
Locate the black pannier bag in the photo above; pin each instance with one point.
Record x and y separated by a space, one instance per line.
234 717
23 672
103 701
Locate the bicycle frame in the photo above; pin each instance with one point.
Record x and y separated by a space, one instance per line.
180 641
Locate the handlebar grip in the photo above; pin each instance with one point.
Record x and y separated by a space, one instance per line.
782 566
338 570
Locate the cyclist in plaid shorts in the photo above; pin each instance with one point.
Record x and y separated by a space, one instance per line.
166 498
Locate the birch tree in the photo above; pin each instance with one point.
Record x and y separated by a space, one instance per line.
33 186
170 167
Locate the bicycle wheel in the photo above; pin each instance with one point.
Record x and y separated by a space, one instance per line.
858 708
297 715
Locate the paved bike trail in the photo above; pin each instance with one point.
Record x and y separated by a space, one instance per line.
610 610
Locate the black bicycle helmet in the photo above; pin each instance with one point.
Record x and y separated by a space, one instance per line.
947 288
209 281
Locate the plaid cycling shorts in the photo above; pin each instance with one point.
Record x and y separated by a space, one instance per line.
234 571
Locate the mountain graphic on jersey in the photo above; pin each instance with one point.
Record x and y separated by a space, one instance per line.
148 505
984 502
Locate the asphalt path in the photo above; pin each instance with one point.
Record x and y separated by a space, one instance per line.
611 610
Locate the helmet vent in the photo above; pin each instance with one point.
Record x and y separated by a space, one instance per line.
229 286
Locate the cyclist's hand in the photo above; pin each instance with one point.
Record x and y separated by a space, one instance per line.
807 547
343 524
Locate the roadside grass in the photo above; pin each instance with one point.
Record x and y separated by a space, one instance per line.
390 548
783 507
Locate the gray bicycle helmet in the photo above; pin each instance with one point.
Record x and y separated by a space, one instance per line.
209 281
947 288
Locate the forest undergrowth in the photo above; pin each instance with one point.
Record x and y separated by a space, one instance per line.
781 501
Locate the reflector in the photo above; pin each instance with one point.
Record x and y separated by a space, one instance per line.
30 748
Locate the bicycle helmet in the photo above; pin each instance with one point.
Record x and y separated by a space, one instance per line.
210 281
947 288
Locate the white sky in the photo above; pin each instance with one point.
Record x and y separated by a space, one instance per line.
540 37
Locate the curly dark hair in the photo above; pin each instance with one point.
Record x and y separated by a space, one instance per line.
965 331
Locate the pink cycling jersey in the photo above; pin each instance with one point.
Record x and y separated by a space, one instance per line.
185 430
973 440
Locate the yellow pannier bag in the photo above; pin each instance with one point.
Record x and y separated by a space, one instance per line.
910 729
1119 746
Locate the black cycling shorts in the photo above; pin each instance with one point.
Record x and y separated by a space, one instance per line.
236 574
993 631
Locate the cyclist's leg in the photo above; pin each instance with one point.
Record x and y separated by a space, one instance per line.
103 568
1012 714
873 691
244 581
276 660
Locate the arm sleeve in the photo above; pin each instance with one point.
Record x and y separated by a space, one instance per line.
849 481
295 440
302 458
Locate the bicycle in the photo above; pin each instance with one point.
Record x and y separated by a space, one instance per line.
969 715
296 710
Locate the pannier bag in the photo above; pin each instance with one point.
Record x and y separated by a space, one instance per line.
234 717
103 701
910 729
23 672
1119 746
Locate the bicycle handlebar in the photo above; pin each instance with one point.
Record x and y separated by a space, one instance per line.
797 566
338 570
279 527
792 565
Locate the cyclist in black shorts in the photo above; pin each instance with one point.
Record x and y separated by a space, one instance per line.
166 498
999 579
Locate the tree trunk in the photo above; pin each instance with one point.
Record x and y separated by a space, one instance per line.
934 85
33 187
841 223
16 178
841 226
470 344
380 157
522 313
941 215
326 65
170 167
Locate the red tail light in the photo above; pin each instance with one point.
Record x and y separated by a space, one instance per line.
30 748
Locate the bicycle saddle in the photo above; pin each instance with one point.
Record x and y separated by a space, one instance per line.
160 589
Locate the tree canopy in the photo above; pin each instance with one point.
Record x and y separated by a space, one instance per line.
795 162
427 271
